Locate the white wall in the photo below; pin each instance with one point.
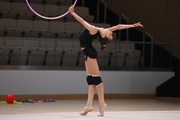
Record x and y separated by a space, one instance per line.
24 82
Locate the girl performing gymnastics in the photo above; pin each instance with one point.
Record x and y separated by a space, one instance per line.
93 75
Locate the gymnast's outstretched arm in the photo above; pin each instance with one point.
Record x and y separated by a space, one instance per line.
92 29
123 26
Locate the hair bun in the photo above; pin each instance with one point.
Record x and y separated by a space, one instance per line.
103 47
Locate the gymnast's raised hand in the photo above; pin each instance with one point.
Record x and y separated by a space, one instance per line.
71 9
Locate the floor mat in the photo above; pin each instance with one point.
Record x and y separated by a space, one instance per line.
123 115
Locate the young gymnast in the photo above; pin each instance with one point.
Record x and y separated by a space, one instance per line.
94 81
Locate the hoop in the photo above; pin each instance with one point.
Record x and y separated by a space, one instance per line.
48 18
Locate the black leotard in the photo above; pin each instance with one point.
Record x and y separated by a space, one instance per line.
86 42
86 38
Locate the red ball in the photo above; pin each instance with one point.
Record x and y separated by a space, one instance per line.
10 98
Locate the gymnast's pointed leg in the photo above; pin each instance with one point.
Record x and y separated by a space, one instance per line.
100 89
91 90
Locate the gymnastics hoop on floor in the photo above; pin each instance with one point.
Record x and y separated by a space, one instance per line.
48 18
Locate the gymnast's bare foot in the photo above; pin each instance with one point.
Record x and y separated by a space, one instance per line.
86 110
102 109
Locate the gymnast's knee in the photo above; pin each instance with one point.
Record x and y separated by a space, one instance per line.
89 80
96 80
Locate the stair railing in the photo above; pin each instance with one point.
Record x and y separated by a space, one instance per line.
123 17
105 9
146 34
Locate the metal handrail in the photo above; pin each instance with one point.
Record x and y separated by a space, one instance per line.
146 34
83 3
123 17
105 9
98 3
